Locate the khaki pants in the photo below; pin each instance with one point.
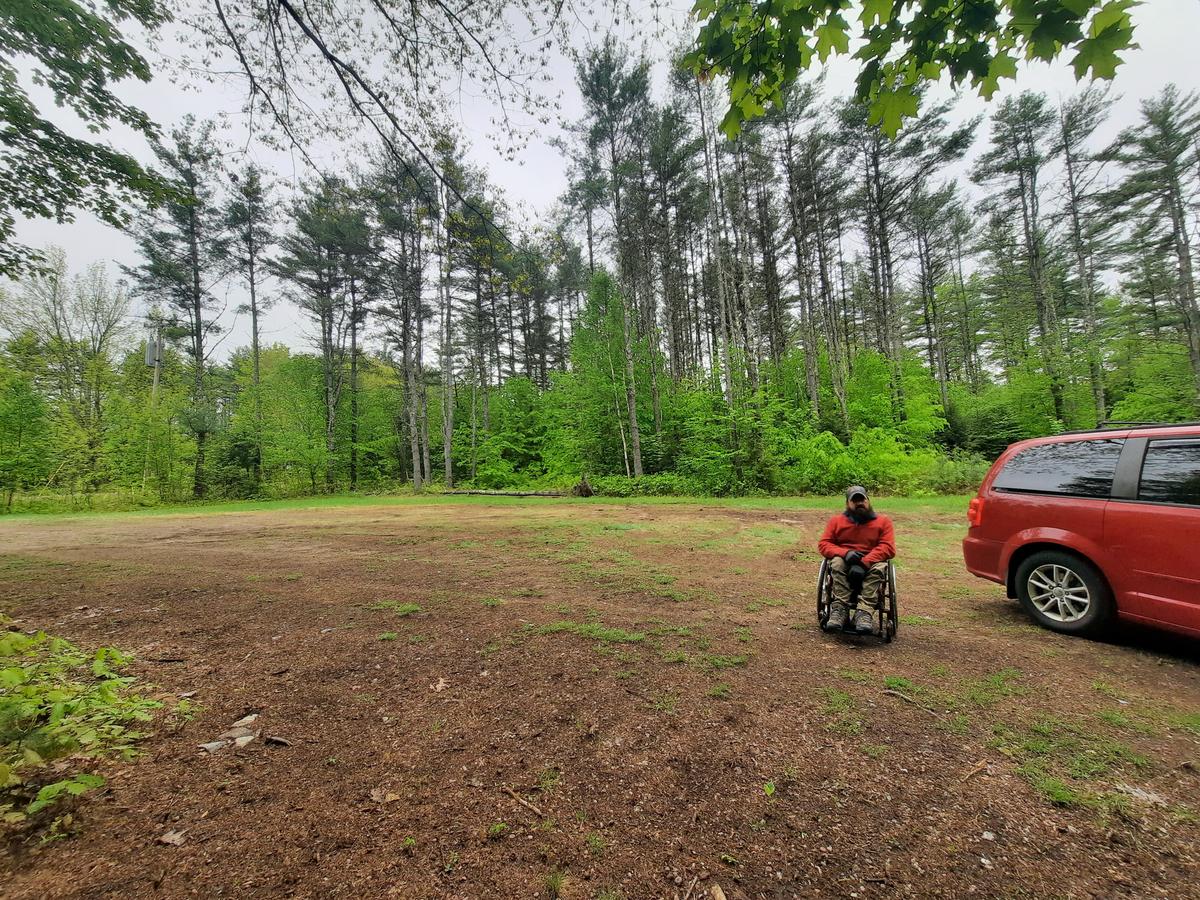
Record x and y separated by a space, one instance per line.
869 598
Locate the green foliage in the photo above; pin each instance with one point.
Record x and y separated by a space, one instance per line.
57 701
24 434
77 53
761 48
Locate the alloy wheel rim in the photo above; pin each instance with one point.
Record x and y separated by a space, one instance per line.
1059 593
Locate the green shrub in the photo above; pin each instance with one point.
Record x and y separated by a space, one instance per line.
57 701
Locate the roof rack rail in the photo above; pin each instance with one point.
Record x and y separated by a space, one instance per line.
1108 425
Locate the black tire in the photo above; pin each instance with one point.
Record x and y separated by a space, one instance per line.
1065 593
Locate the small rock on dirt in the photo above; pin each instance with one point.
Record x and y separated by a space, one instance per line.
213 746
379 795
172 838
245 721
276 741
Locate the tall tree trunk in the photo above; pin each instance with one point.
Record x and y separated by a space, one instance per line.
1086 277
1047 326
255 353
446 353
199 486
353 386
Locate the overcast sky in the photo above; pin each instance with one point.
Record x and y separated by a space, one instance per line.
1166 31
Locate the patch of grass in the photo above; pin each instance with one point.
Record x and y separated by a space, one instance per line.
854 675
899 683
990 690
594 630
497 830
674 656
836 702
398 607
941 670
595 843
1052 790
548 780
388 636
720 691
716 661
744 634
1181 721
1103 687
753 606
1062 761
958 723
840 706
554 882
875 751
492 601
665 703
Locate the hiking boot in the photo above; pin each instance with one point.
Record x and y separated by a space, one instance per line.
863 622
837 617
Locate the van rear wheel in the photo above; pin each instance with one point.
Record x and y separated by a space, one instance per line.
1065 593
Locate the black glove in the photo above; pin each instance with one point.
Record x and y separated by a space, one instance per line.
854 557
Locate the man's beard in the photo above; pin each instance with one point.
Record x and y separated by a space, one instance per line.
861 515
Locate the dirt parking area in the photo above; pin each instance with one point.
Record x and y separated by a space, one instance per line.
588 699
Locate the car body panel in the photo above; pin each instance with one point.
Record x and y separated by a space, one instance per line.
1153 565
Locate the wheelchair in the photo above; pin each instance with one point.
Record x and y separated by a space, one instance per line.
888 618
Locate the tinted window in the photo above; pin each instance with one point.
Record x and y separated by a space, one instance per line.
1078 468
1171 472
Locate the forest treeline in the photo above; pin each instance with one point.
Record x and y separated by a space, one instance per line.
810 305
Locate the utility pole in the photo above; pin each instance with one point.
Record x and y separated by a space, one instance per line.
153 358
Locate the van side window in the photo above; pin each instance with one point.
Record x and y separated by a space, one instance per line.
1171 473
1074 468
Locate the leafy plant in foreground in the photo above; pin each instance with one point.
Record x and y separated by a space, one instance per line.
57 700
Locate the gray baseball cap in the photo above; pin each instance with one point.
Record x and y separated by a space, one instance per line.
854 490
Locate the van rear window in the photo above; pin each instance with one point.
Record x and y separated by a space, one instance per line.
1074 468
1171 473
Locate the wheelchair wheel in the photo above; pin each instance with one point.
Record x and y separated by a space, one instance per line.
824 590
889 616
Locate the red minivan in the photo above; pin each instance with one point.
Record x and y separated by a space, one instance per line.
1087 528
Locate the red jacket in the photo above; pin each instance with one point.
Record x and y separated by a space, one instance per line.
874 538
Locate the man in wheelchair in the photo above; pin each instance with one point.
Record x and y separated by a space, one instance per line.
858 543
